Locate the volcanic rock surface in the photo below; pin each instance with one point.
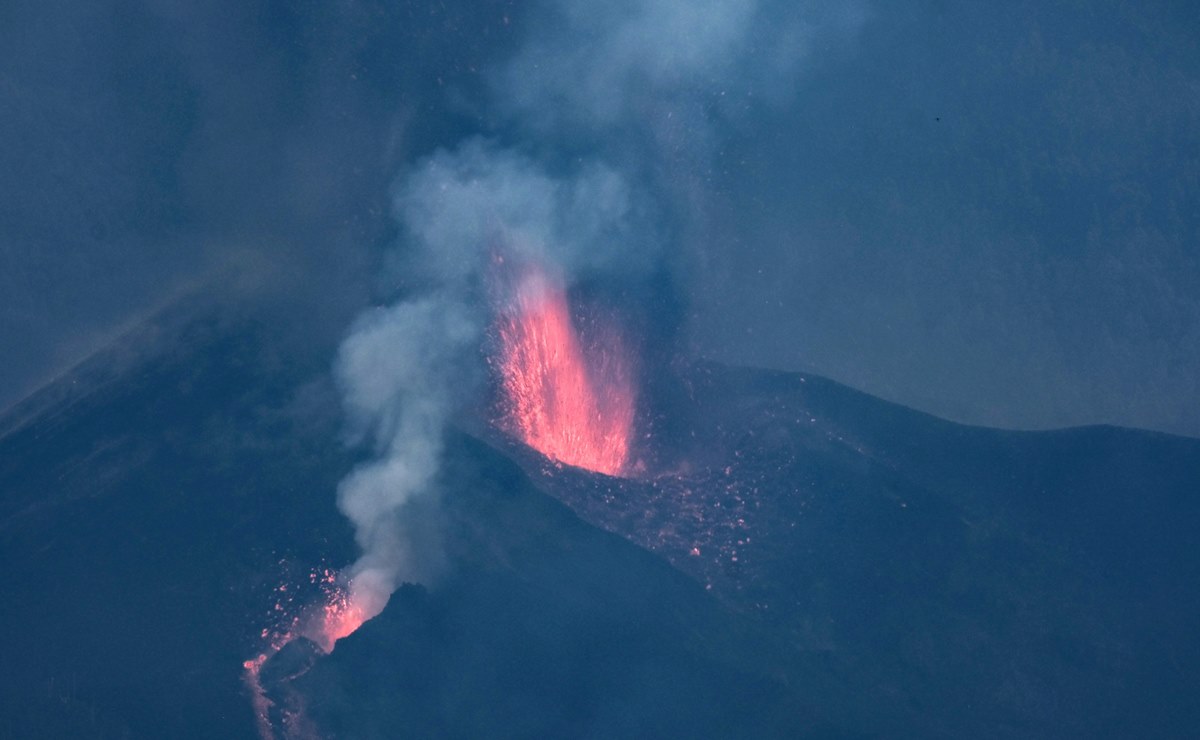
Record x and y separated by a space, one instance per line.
969 581
794 559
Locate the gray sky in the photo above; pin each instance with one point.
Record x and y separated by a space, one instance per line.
987 211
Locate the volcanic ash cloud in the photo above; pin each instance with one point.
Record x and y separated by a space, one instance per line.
586 72
406 369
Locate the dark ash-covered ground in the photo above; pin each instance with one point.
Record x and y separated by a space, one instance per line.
895 575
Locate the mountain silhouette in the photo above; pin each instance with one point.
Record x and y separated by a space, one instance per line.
794 558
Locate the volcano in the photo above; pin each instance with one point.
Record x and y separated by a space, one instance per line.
800 560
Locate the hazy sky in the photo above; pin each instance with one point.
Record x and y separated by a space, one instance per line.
987 211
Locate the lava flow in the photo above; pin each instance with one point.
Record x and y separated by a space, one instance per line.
335 616
571 400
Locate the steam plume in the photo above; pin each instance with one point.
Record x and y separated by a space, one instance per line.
397 371
588 68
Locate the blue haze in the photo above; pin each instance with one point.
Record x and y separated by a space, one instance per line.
986 212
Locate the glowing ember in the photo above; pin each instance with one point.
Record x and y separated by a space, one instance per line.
336 615
340 616
572 402
275 641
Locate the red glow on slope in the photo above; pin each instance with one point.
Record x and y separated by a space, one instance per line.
341 615
571 401
336 615
274 639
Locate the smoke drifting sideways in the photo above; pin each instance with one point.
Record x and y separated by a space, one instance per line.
407 369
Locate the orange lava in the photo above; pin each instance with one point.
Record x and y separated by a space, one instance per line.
275 640
334 617
571 401
340 616
258 697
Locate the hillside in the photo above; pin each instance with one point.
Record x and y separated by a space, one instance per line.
895 574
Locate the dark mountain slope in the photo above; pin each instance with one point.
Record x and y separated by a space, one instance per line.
149 504
895 575
965 580
547 627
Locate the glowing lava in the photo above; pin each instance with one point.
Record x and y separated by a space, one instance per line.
570 400
340 616
336 615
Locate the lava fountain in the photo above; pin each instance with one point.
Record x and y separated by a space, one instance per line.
569 397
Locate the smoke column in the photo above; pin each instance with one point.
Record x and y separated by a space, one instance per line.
647 77
406 369
397 371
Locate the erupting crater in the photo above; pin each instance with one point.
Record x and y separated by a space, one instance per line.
566 394
565 389
298 636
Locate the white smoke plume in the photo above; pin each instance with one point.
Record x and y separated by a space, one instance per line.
455 204
587 66
594 66
398 372
405 370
